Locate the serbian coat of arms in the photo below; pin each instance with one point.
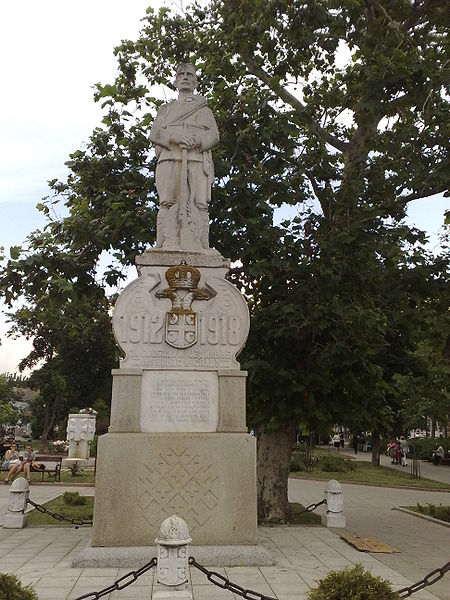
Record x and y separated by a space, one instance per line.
181 321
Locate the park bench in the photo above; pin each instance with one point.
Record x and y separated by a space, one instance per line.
52 463
446 459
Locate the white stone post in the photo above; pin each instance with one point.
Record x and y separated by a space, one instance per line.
172 572
335 504
80 433
16 518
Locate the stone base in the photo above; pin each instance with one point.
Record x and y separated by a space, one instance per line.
172 595
334 520
207 479
68 462
210 556
160 257
15 521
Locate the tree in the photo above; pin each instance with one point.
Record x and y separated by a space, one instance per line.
9 394
334 108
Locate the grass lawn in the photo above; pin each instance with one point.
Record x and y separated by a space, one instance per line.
57 505
84 476
303 518
364 472
440 511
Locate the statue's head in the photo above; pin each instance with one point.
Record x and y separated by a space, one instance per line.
186 79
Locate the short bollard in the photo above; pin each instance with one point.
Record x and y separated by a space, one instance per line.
335 504
16 518
172 553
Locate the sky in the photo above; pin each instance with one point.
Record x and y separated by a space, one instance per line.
52 54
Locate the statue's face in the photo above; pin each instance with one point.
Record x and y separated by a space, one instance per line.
186 79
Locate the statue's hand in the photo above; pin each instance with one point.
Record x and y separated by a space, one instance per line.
190 143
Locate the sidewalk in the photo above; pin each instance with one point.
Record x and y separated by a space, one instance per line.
43 556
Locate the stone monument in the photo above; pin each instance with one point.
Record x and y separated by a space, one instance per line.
80 433
178 441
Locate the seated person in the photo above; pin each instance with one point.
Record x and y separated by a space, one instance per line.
438 455
28 459
12 463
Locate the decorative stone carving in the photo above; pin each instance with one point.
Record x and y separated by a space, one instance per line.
335 504
184 131
172 553
210 336
181 320
80 433
183 482
19 492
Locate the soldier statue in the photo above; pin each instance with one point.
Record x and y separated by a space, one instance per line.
183 133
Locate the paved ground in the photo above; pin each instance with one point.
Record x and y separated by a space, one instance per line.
42 556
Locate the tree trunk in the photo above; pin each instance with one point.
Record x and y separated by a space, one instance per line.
274 460
375 448
50 414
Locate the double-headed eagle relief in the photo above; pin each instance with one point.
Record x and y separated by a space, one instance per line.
184 131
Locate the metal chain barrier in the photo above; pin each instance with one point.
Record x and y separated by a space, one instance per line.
226 584
57 516
120 583
312 507
425 582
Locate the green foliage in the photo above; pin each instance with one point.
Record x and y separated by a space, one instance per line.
424 446
103 413
298 462
432 510
93 446
8 395
74 499
12 589
334 463
355 583
75 469
58 505
298 515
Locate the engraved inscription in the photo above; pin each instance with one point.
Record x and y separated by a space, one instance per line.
179 401
214 329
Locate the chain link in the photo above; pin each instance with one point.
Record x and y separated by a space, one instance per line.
226 584
120 583
425 582
57 516
312 507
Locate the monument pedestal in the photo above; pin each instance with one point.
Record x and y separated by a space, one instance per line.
178 442
208 479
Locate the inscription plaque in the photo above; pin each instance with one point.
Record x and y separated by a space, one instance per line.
179 401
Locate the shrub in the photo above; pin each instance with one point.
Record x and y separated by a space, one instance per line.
333 463
12 589
74 499
425 446
297 462
75 469
355 583
436 511
93 447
